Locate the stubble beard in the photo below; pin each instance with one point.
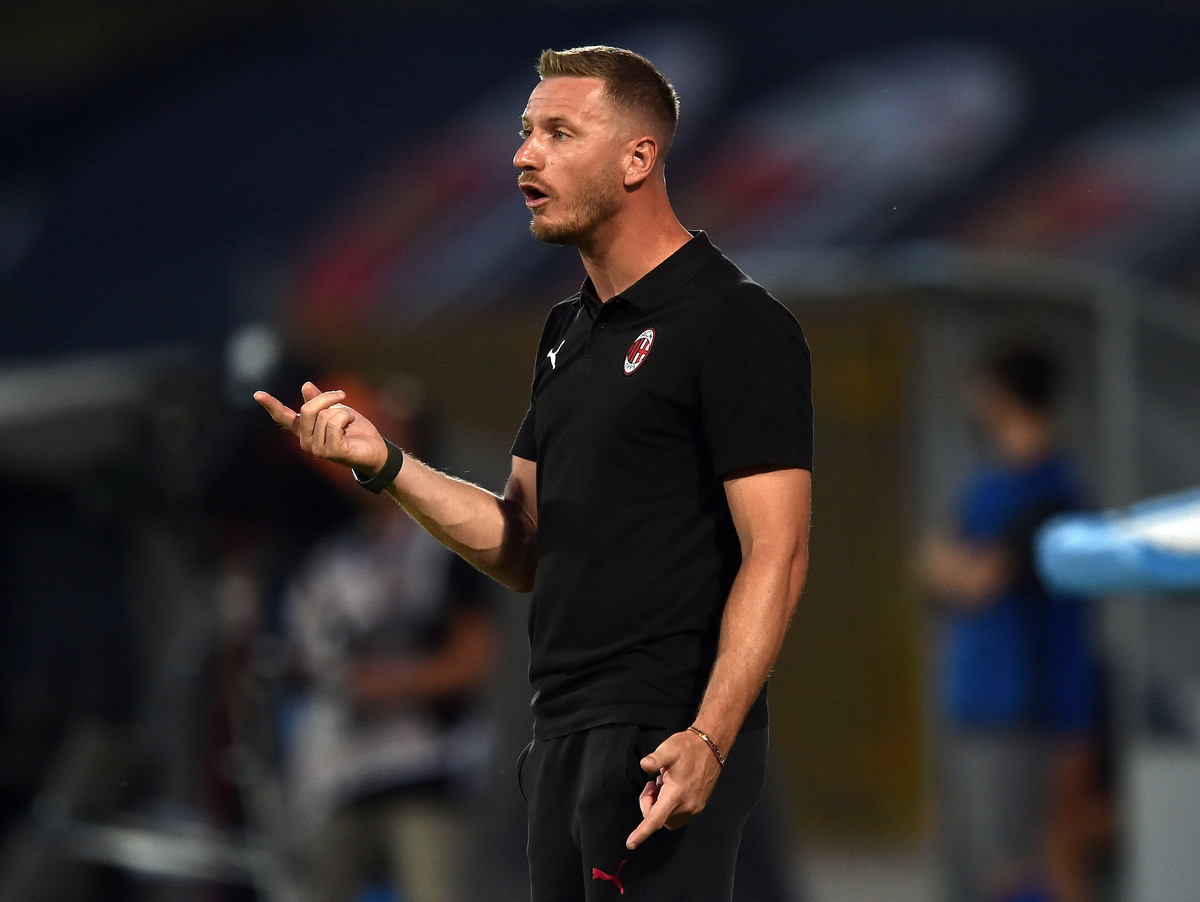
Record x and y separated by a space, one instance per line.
597 203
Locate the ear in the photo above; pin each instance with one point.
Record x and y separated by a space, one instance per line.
641 159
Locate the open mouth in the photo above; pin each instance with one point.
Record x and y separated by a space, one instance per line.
534 196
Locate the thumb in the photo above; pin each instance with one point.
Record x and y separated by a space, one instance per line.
659 759
309 391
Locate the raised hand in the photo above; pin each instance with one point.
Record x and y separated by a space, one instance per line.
328 429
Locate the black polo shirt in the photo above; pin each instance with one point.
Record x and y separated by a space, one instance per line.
639 407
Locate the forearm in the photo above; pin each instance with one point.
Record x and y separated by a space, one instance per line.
683 772
961 574
770 511
492 533
757 613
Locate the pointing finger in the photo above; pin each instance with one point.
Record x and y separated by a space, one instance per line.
650 824
280 412
657 806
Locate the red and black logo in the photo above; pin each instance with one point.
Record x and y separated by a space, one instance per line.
639 351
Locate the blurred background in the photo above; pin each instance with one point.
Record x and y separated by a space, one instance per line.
200 199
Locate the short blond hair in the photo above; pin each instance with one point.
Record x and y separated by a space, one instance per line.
631 81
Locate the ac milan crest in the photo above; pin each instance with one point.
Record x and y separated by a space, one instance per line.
638 351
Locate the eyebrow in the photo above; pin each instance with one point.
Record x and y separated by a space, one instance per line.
550 123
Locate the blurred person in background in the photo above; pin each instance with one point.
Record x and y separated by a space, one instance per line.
394 641
1019 768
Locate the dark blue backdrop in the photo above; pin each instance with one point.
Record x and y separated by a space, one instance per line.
130 213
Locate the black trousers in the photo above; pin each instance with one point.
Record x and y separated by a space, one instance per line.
583 790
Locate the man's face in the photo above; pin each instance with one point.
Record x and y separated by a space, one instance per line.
997 413
570 160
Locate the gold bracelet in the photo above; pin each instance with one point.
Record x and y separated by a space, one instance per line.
712 745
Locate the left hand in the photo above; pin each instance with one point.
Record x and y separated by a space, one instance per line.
686 772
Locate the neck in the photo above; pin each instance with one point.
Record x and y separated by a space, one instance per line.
628 247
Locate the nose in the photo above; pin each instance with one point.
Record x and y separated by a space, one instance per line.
524 159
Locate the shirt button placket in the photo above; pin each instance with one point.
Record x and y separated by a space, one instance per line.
601 322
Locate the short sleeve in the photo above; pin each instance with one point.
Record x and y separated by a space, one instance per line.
525 444
756 388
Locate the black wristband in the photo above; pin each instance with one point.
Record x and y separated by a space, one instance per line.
382 479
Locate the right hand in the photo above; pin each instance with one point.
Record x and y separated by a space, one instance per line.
330 430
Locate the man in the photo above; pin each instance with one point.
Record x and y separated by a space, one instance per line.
658 505
1019 770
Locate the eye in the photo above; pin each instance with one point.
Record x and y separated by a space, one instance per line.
559 134
524 133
